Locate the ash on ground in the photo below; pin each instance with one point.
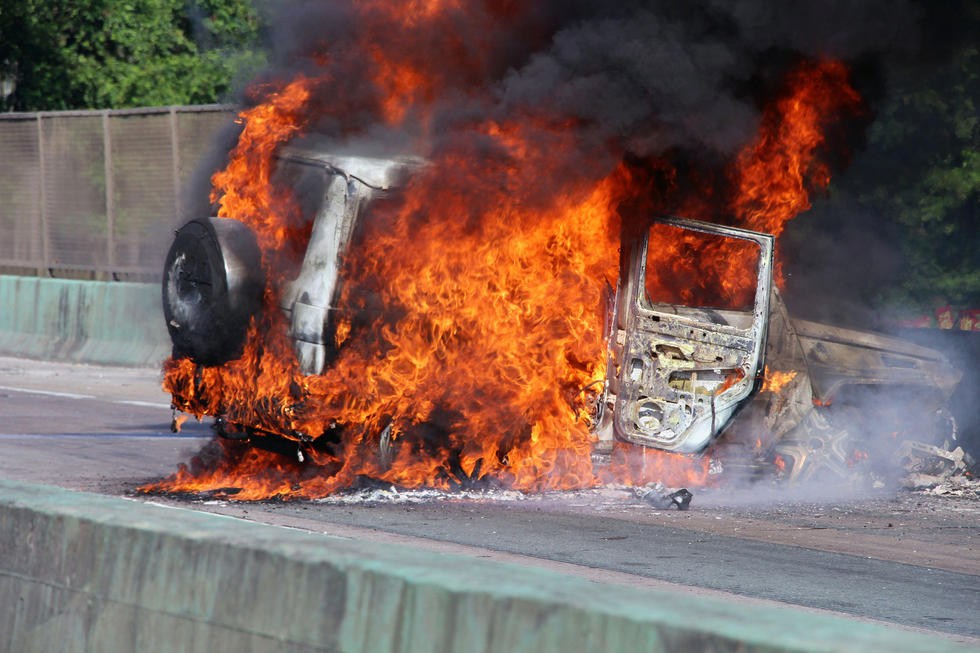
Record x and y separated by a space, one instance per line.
653 494
396 495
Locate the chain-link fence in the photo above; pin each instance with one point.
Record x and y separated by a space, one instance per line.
96 194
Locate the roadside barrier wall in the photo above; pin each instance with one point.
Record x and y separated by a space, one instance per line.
95 322
83 572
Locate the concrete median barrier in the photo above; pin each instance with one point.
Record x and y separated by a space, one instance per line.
83 572
96 322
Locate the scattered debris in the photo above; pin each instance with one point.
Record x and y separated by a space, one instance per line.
956 486
681 498
937 471
217 493
930 459
662 497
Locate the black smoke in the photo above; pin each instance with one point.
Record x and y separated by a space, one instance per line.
637 77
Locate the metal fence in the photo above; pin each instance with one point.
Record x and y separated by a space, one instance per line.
96 194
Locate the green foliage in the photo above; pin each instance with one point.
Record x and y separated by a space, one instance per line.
93 54
920 175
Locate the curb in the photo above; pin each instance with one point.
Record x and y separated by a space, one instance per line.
94 322
84 572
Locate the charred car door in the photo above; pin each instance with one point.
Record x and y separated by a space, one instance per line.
689 335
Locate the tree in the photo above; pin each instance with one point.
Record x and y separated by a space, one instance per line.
925 174
95 54
899 230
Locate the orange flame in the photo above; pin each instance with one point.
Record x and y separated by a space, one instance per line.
780 463
243 189
775 381
178 423
776 173
857 457
638 466
478 366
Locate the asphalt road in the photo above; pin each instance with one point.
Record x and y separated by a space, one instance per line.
902 558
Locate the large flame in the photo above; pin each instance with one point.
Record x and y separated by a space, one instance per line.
243 189
471 327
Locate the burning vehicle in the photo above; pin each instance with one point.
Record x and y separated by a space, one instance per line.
696 363
569 281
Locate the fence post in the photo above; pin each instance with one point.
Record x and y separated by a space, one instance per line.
63 167
175 162
110 193
45 269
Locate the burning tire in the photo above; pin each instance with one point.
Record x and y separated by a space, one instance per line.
212 286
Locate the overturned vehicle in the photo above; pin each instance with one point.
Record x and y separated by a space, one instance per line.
686 373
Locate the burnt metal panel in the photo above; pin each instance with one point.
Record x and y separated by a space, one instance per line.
682 372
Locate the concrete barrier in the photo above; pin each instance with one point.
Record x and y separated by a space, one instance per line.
82 572
96 322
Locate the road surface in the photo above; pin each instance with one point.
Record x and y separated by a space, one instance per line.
902 558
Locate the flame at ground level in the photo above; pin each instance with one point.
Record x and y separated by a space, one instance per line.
472 322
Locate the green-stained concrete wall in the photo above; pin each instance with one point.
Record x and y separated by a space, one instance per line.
96 322
82 572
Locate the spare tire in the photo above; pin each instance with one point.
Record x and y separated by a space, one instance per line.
212 286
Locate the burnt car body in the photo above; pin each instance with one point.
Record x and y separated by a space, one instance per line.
681 376
686 377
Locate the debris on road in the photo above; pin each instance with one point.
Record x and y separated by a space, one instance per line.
935 470
957 486
659 496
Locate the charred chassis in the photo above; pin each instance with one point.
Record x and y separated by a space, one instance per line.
681 378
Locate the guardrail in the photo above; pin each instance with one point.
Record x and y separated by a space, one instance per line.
95 194
81 572
82 321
